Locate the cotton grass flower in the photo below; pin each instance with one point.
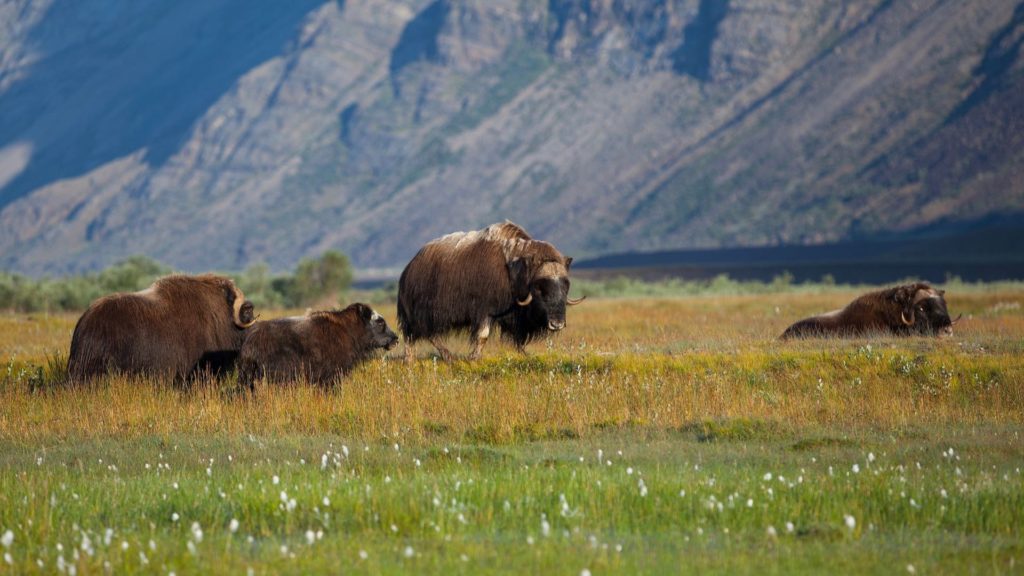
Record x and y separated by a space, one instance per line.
233 525
850 521
7 539
408 552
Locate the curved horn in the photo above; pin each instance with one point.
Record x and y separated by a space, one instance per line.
572 302
953 323
236 311
903 317
526 302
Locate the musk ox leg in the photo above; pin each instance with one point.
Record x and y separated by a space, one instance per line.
479 338
446 354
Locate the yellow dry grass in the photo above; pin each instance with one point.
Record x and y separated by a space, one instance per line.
657 364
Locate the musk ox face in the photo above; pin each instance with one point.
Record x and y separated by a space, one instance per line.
924 310
544 289
242 311
377 328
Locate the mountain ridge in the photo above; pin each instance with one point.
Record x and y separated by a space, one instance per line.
373 127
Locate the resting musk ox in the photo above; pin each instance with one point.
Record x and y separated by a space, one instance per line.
178 326
320 346
472 280
911 309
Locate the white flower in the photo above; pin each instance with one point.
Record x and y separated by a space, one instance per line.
275 480
584 572
850 521
310 537
771 532
629 471
856 469
790 527
362 553
871 456
233 525
7 539
545 528
409 552
174 517
124 544
197 532
191 547
8 558
911 569
767 476
326 501
344 450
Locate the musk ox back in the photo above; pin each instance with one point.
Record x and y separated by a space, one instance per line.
319 347
473 280
175 327
908 310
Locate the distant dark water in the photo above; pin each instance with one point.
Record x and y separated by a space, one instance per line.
841 272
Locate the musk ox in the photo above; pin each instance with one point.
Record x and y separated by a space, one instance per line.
320 346
473 280
178 326
908 310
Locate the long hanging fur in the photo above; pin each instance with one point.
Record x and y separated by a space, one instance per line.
179 325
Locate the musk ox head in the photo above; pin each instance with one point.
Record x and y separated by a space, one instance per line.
380 335
242 310
923 310
540 281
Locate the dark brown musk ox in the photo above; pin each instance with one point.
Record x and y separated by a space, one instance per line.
909 310
319 347
179 326
474 280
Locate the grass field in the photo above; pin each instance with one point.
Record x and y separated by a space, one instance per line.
652 435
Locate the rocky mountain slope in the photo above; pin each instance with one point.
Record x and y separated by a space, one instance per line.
219 134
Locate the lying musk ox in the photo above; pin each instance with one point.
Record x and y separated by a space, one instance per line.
472 280
911 309
178 326
320 346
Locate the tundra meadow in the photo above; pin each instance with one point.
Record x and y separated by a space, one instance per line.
658 433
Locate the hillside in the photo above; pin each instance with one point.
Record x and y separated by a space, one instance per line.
225 133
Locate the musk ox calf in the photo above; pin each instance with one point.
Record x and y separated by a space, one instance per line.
908 310
176 327
319 347
473 280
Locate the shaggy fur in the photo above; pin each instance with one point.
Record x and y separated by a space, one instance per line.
178 326
882 312
319 347
472 280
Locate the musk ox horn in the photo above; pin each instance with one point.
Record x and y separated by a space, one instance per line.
903 317
236 312
526 302
572 302
959 316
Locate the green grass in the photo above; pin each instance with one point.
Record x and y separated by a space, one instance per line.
651 503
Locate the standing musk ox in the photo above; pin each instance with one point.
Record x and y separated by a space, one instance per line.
908 310
472 280
320 346
178 326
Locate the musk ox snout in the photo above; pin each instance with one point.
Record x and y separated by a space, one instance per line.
556 325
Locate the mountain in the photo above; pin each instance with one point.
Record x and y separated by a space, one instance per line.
219 134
